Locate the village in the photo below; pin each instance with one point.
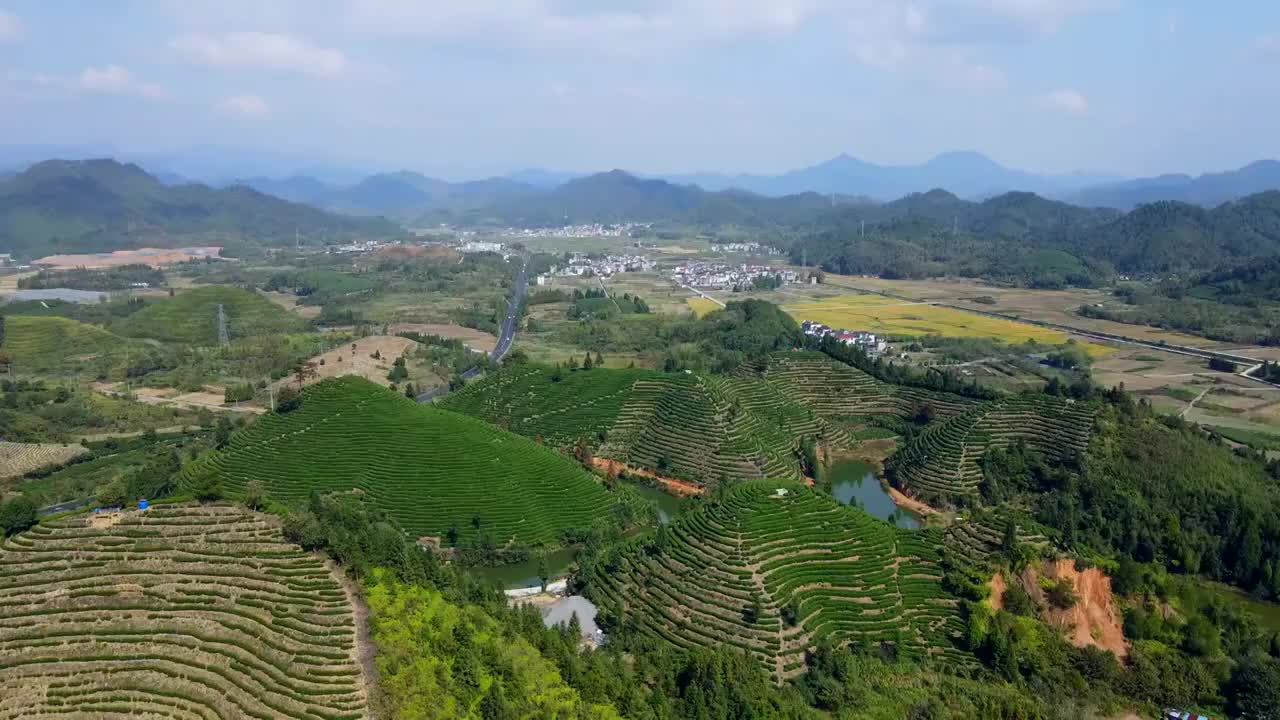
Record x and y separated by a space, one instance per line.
720 276
869 342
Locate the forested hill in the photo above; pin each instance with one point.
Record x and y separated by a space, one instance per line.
62 206
618 196
1025 238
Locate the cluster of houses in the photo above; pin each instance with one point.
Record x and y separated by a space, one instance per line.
727 277
597 266
358 246
585 230
868 341
753 248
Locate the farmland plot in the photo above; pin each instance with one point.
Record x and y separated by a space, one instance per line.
179 612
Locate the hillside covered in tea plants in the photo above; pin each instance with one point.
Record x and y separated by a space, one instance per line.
179 611
703 428
435 472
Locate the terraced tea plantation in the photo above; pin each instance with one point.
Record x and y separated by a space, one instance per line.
836 390
17 459
191 317
943 463
430 469
730 571
701 428
50 344
175 612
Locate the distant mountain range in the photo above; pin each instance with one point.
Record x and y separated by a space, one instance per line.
96 205
967 174
72 206
411 197
1208 190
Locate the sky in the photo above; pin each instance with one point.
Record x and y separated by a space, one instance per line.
481 87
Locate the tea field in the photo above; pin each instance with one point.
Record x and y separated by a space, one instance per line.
177 612
774 568
431 470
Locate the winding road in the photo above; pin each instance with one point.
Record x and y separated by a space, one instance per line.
506 336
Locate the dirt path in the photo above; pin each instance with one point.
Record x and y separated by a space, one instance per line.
365 652
675 486
918 507
1191 405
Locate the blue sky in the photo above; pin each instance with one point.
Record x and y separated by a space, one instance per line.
478 87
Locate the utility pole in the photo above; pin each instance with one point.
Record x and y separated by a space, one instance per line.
862 232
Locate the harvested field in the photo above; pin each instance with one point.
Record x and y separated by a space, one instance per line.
472 338
18 459
155 257
179 612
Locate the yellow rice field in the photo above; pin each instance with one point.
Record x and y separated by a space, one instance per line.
701 306
901 317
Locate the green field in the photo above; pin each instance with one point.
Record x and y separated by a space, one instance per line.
55 344
193 612
699 427
733 572
431 470
191 317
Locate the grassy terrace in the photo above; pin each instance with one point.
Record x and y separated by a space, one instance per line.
180 612
698 427
49 344
836 390
849 576
191 317
943 463
430 469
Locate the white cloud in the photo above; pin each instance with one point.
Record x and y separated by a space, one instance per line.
1071 102
117 80
244 105
10 26
271 51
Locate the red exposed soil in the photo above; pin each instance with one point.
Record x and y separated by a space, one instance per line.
672 485
1094 619
997 590
904 500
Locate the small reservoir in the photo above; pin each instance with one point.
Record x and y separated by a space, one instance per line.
854 482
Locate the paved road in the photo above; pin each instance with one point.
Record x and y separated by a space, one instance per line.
511 322
506 336
64 507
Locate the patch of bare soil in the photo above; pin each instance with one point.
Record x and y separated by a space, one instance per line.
357 358
472 338
675 486
1094 619
437 253
155 257
998 587
290 303
365 651
904 500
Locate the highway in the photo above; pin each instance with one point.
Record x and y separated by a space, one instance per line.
506 336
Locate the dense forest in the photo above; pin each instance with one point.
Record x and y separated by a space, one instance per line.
1237 305
61 206
1026 239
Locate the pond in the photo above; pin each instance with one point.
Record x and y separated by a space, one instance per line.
668 505
525 574
854 482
